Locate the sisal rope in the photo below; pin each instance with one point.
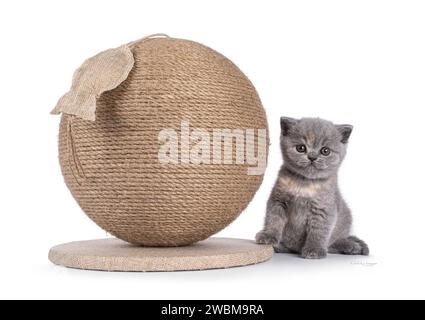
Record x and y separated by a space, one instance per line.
111 166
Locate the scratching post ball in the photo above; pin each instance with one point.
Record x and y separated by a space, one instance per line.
110 141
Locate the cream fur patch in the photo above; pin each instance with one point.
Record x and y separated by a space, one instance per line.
297 189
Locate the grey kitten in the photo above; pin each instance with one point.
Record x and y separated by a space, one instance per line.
305 212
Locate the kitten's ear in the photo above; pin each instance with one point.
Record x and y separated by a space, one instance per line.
286 124
345 131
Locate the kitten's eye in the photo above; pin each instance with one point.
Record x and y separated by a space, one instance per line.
301 148
325 151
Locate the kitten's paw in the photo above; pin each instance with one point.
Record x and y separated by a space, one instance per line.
264 237
361 246
314 253
350 246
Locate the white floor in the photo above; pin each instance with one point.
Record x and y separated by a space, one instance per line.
284 277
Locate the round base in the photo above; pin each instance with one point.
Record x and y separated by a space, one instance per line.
117 255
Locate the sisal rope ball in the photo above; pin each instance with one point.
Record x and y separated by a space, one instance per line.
109 140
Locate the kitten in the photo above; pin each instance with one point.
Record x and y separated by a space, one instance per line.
306 213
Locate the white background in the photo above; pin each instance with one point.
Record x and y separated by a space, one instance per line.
357 62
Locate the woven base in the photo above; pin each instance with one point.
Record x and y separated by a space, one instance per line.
117 255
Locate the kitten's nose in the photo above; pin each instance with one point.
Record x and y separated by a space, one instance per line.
312 157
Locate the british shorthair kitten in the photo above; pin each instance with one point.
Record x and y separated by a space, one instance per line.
306 213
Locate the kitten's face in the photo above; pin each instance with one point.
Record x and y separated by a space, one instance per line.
313 148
